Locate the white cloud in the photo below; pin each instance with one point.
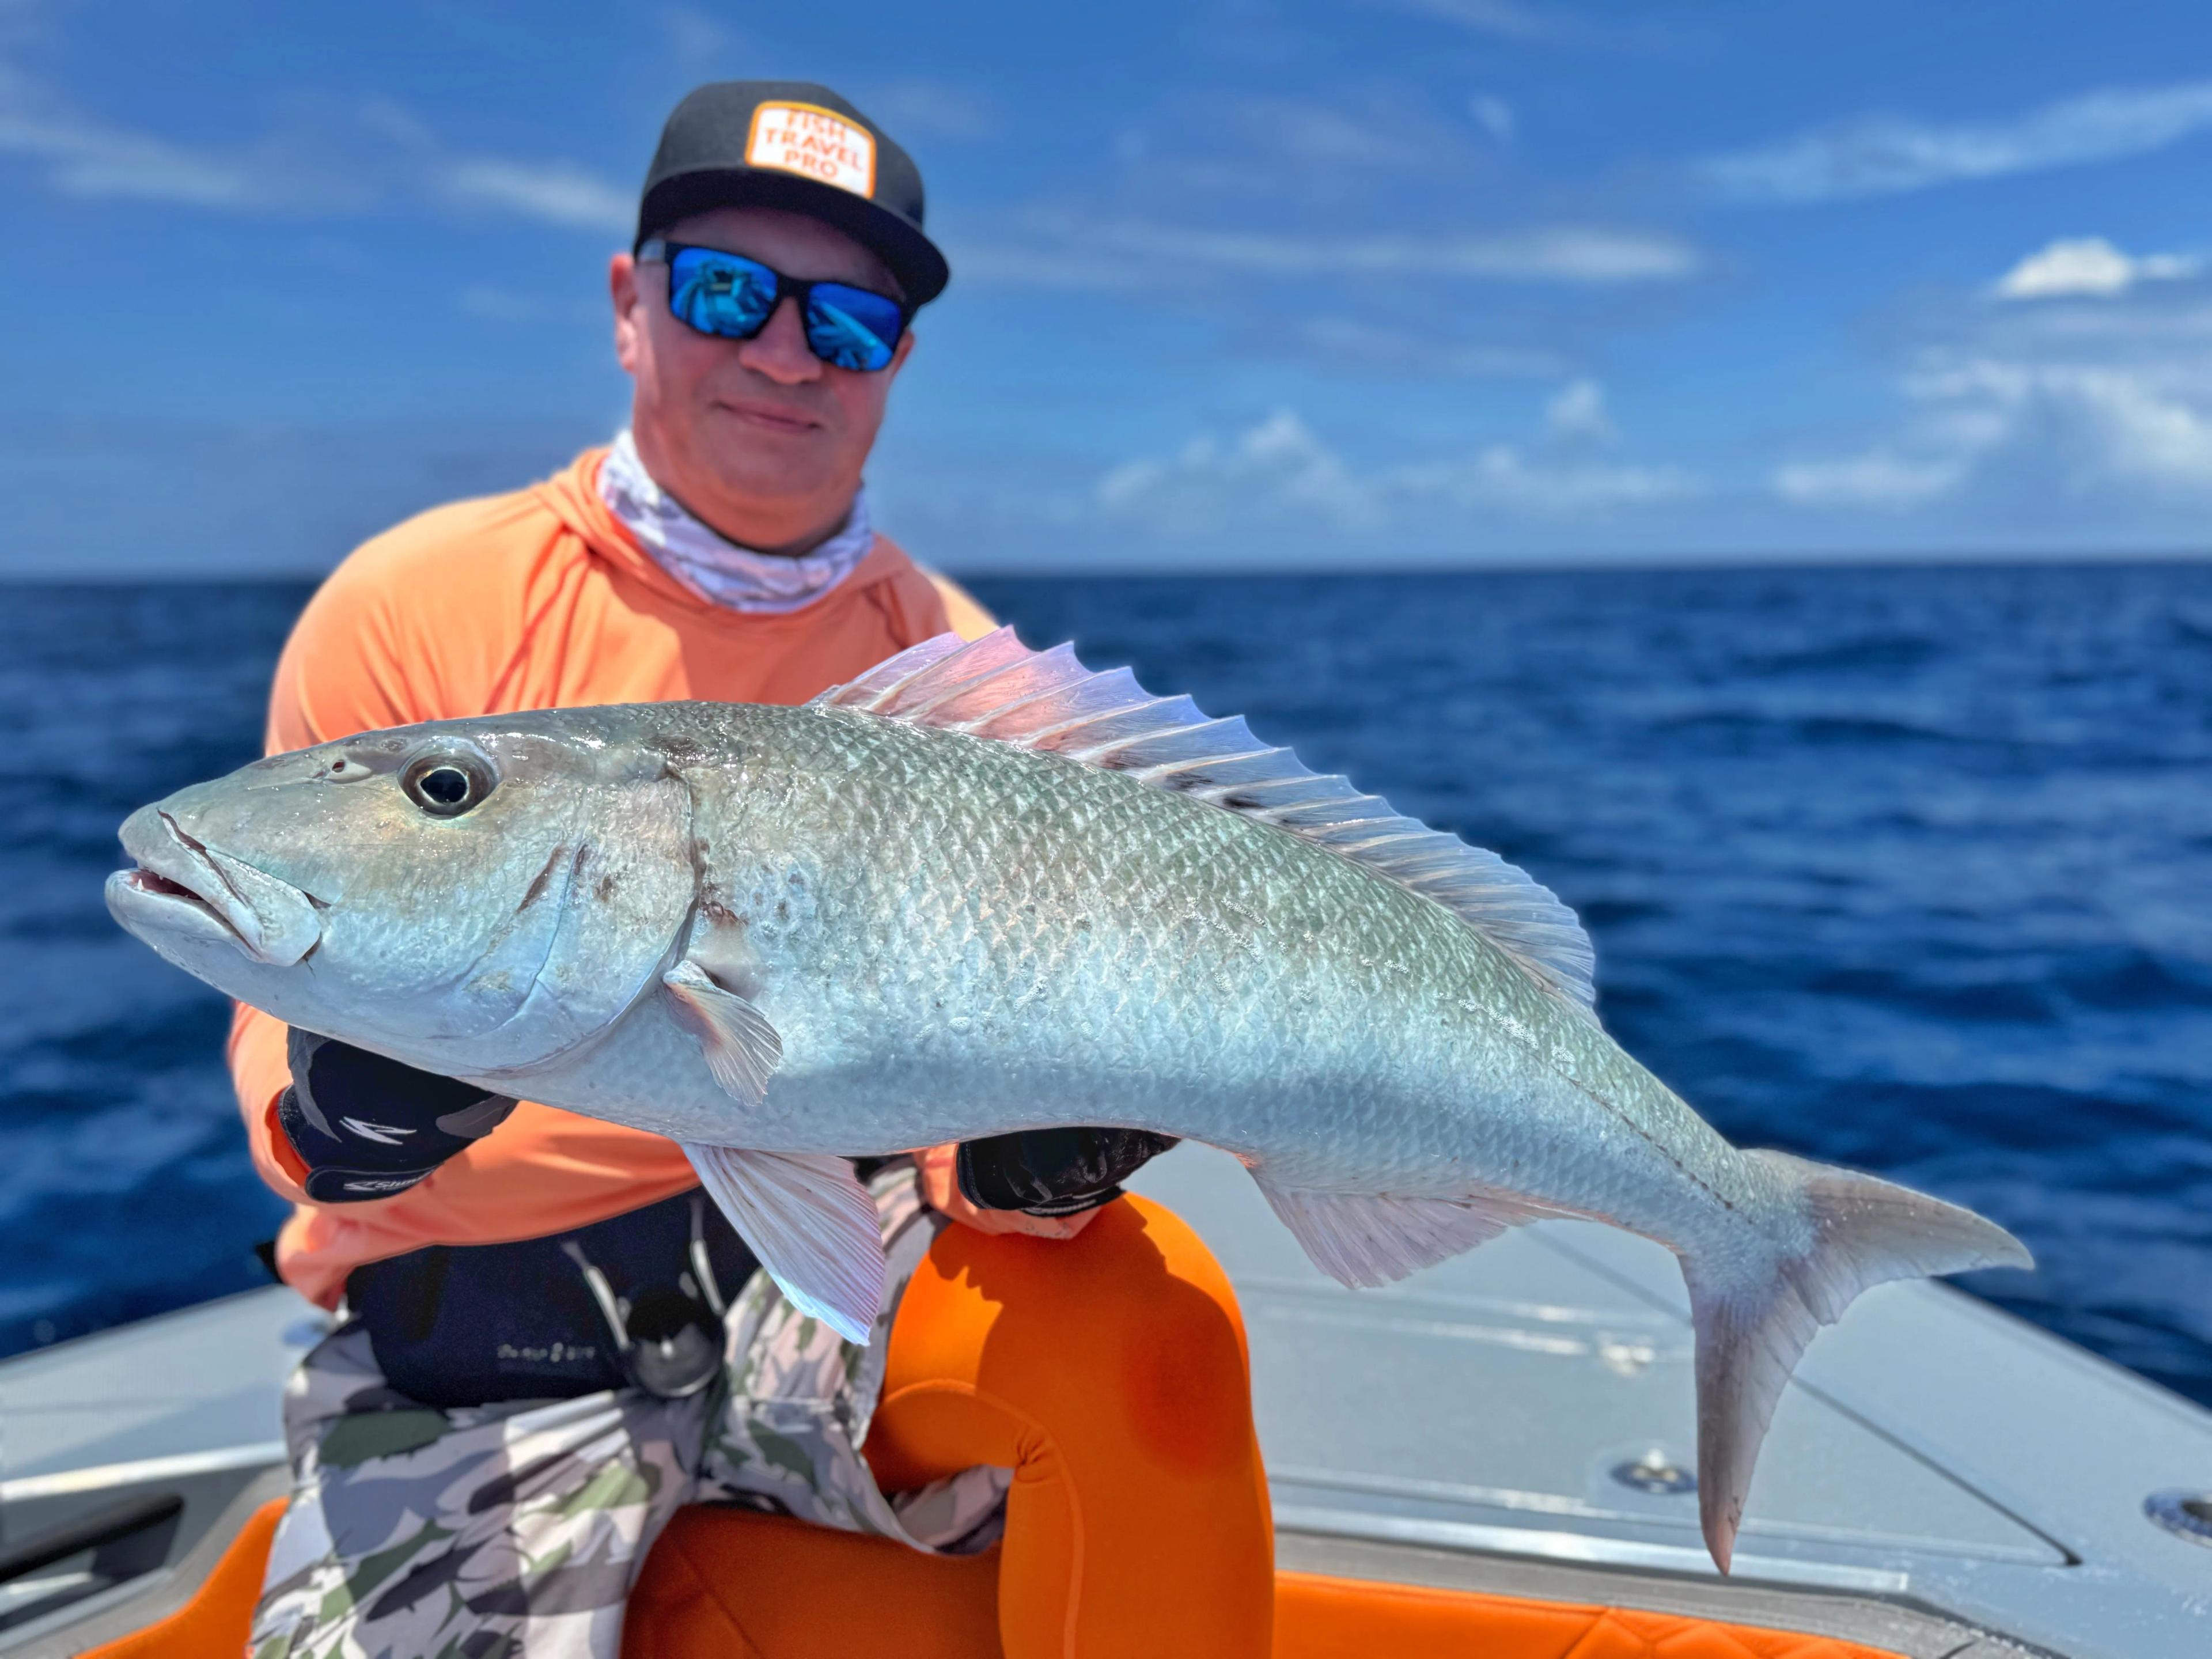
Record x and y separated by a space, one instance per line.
1277 465
1577 411
289 171
1504 476
1359 345
698 38
2129 424
1193 151
1280 470
1506 20
1075 254
2085 430
1027 264
1388 139
555 192
1493 114
1558 254
2161 440
2087 267
1879 155
935 109
1536 25
2122 329
1878 479
87 157
94 160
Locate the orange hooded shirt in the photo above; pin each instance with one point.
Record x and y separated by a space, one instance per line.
536 599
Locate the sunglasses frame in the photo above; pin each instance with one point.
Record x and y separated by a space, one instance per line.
658 250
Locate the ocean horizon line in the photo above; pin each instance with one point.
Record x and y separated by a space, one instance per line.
1595 564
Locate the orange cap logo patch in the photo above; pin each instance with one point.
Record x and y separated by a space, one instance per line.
814 142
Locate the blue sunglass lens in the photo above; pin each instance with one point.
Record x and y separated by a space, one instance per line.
720 293
852 328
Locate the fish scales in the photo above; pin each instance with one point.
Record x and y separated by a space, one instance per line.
1135 956
979 889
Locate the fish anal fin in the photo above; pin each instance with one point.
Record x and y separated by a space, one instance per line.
742 1049
1367 1239
811 1223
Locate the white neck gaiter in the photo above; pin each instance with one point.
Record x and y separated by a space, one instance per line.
711 565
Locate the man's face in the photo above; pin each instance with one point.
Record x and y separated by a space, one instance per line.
759 437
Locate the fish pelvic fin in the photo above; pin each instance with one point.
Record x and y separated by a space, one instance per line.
1368 1239
1754 1315
811 1223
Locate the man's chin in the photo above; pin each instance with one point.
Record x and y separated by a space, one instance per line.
763 481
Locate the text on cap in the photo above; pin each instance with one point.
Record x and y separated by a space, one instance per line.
814 142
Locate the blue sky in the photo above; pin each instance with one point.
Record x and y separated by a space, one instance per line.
1337 282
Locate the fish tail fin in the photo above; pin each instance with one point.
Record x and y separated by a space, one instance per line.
1754 1315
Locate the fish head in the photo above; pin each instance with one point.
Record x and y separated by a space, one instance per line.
472 896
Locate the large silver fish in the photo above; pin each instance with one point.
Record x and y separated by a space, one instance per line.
981 889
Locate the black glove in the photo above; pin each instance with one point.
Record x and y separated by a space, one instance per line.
1053 1171
367 1126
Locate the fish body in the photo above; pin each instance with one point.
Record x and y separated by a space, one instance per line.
945 956
981 890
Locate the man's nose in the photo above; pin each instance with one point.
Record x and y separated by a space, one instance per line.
780 350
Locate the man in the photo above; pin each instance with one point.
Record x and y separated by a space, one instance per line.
554 1341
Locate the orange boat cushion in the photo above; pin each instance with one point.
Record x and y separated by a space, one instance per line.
1318 1618
729 1584
219 1615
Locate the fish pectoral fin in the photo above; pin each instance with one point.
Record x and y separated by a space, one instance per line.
811 1223
743 1050
1366 1239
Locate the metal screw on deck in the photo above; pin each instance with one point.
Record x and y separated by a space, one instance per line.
2184 1513
1655 1472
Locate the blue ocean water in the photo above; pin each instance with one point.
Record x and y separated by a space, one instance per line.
1907 869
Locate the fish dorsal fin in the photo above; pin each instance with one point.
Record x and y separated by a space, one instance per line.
996 687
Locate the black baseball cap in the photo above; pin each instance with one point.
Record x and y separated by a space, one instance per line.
794 145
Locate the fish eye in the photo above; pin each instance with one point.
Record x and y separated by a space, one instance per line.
445 785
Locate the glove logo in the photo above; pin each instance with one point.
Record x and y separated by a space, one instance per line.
387 1184
384 1134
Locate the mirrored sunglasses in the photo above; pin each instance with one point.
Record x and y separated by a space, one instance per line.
730 296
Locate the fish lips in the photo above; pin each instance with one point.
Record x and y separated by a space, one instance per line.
185 891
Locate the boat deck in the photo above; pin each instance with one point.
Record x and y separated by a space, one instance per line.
1942 1480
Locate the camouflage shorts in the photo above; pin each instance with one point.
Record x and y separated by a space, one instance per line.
514 1531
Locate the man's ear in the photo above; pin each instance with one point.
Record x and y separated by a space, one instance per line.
622 289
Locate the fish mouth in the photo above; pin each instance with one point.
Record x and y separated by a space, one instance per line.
145 900
180 885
